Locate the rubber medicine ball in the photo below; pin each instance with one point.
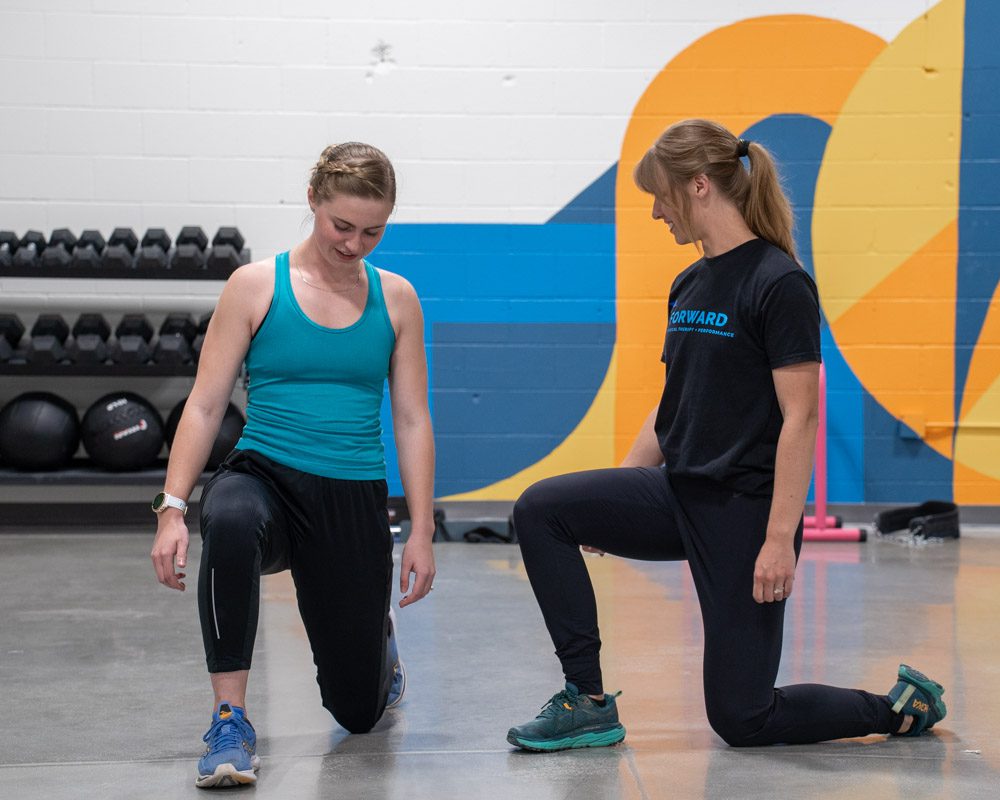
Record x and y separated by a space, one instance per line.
38 431
122 431
229 432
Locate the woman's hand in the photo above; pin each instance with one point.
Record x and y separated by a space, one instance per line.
169 548
418 560
774 572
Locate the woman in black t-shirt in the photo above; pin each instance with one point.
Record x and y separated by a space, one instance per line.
717 476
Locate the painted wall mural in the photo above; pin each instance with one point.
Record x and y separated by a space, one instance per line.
545 339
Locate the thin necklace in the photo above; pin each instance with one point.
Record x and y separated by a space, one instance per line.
357 281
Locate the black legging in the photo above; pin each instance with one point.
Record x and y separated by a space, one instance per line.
641 513
260 517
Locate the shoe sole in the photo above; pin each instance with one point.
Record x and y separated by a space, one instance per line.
228 775
591 739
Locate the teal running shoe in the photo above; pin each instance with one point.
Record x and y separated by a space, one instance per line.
570 720
398 670
231 753
920 697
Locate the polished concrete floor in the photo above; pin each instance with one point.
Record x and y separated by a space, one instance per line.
103 692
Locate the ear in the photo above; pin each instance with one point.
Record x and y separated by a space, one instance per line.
311 199
700 185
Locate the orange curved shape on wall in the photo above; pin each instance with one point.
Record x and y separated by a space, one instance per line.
736 75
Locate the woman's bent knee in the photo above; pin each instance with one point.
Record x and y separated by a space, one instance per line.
354 720
736 729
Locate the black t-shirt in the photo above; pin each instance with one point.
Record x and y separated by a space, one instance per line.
732 319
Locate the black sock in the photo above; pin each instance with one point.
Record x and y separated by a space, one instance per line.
600 703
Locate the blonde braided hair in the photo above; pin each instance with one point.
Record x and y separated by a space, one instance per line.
353 168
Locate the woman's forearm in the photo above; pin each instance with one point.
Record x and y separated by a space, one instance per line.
192 445
415 450
792 470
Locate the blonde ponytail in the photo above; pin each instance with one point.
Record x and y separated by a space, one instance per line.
700 147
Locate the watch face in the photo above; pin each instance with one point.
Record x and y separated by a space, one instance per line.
159 500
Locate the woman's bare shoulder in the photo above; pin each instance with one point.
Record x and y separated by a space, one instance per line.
395 286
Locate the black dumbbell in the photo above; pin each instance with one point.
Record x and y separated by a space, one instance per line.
176 335
132 337
90 339
8 244
88 250
189 255
48 335
227 251
153 254
59 252
29 249
11 331
199 339
120 251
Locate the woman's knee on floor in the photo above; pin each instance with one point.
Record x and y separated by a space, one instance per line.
736 726
354 717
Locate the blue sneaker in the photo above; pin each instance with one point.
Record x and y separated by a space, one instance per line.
398 671
570 720
920 697
231 753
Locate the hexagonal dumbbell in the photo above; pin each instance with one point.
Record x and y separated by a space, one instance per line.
90 339
189 255
58 254
48 335
227 251
174 345
29 249
89 248
131 345
11 331
120 251
155 249
8 244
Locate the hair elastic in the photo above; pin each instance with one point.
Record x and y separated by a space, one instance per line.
742 148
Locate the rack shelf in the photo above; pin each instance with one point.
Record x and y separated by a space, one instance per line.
101 370
82 473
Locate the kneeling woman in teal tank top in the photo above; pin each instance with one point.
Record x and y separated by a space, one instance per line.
320 329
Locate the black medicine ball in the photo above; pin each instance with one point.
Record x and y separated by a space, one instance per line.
229 432
122 431
38 431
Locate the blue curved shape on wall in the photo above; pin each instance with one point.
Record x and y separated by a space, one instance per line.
979 184
519 324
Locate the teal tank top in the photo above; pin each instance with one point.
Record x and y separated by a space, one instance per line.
315 393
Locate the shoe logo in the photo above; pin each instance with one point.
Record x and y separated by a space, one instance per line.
225 715
567 706
919 705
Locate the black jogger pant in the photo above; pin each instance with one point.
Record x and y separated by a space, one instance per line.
260 517
641 513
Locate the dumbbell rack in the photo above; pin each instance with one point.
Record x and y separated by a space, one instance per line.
87 493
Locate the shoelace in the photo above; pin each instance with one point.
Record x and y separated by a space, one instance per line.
555 705
223 734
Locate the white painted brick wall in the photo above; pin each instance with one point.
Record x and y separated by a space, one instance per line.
172 112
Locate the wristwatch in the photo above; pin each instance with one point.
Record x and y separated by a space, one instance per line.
163 501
